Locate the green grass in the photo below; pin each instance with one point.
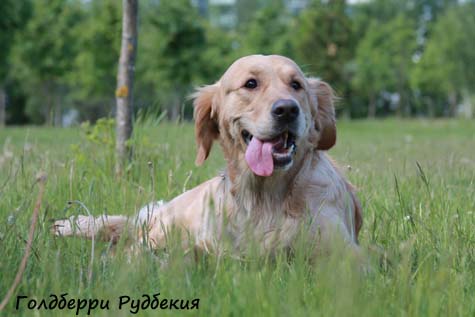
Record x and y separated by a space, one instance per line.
416 180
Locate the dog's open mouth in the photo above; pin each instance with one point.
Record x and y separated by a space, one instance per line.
263 156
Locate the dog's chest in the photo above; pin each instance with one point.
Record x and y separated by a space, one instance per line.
270 227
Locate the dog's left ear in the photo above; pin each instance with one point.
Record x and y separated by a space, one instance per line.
206 126
323 113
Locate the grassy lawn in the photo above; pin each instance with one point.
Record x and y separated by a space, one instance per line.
416 180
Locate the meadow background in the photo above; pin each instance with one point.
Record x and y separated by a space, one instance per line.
415 179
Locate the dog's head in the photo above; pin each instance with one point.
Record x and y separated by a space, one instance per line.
264 111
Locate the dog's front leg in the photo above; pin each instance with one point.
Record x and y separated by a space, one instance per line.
104 228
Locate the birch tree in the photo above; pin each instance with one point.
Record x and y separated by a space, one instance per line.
125 78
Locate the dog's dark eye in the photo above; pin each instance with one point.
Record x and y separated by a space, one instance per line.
295 85
251 83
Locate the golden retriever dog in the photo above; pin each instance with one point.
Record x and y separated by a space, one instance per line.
274 126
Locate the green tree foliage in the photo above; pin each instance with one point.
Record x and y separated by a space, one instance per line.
447 65
373 70
173 40
178 50
267 31
218 54
383 61
62 54
42 57
245 11
322 40
93 77
14 14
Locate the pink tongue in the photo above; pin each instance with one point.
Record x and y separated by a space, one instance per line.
259 157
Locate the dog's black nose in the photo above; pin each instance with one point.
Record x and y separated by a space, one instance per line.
285 110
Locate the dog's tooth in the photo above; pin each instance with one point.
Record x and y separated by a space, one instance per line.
286 137
294 148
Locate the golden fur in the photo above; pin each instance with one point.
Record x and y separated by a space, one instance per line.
271 208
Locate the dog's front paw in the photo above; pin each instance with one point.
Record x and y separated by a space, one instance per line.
74 225
62 227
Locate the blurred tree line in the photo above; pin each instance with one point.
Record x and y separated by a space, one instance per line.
58 58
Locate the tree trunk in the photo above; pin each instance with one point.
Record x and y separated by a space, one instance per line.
468 101
125 78
175 108
403 106
452 103
3 105
406 104
58 112
48 91
372 107
430 107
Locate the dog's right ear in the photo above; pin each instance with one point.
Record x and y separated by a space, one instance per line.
206 125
